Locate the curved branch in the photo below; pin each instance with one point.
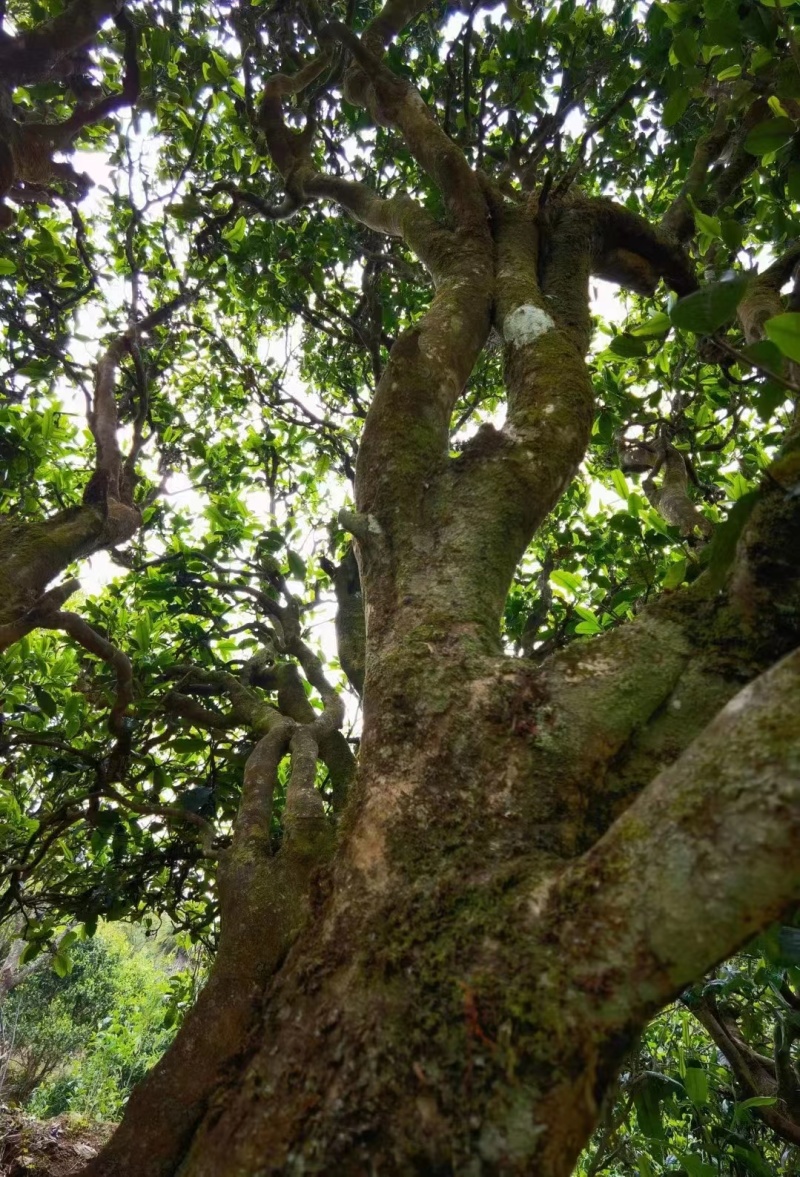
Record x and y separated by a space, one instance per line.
390 21
83 633
33 54
399 216
392 101
705 857
755 1074
333 748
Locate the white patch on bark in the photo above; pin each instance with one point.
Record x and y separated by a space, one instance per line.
526 324
537 900
740 701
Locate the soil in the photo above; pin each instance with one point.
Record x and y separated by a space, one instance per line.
47 1148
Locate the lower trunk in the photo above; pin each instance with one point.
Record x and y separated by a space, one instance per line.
532 861
423 1021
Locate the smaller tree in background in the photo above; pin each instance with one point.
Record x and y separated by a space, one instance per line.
78 1042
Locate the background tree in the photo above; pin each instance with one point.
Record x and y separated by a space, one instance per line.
356 246
76 1038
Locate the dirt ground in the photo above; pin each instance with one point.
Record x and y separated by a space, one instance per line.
47 1148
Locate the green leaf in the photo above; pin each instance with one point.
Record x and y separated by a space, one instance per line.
722 549
647 1100
297 565
695 1166
46 701
704 222
620 484
31 950
159 43
588 627
675 576
628 346
62 964
142 630
190 744
236 231
769 398
784 330
221 64
793 182
732 234
587 616
766 356
654 328
769 136
675 107
758 1101
763 57
566 580
684 46
709 308
7 266
696 1083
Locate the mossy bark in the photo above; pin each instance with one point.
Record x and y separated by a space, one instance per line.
521 880
32 553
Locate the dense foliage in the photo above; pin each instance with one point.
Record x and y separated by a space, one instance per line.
190 348
77 1037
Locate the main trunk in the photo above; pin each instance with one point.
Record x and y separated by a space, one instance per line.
432 1016
423 1022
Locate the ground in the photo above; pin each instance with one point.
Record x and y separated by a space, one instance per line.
47 1148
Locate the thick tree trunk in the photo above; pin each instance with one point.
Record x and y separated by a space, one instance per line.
468 980
534 859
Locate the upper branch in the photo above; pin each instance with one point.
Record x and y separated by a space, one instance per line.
395 102
762 299
390 21
111 483
33 54
291 153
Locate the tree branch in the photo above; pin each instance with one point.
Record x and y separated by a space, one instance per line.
33 54
394 102
704 858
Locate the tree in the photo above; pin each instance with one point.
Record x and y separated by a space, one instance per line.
577 777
